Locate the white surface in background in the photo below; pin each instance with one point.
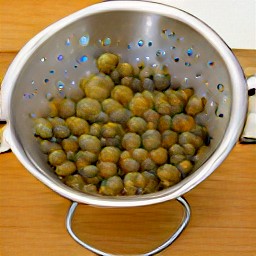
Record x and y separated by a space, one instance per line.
233 20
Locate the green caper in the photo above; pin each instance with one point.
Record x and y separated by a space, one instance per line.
151 139
146 72
112 186
139 105
137 125
107 62
57 157
148 165
88 156
168 174
129 165
99 87
175 101
90 189
151 182
74 181
122 94
70 144
115 76
77 126
88 109
159 155
131 141
136 85
110 154
66 168
48 146
55 121
66 108
201 153
89 143
43 128
150 97
161 81
176 149
162 105
190 138
148 84
169 138
52 109
183 123
152 117
175 159
134 183
195 105
120 116
110 105
125 69
185 166
127 81
140 154
189 149
61 131
106 169
89 171
95 130
164 123
111 130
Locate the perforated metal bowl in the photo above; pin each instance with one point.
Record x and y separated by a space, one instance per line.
54 61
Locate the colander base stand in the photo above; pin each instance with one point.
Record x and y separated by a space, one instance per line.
168 242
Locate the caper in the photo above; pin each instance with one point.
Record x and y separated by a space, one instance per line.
140 154
57 157
77 126
175 101
110 154
151 182
136 85
137 125
161 81
120 116
168 174
175 159
139 105
201 153
70 144
189 149
107 62
111 130
134 183
74 181
65 169
89 143
164 123
89 189
99 87
146 72
161 104
43 128
110 105
66 108
185 166
176 149
95 130
151 139
159 155
169 138
190 138
48 147
111 186
183 123
115 76
125 69
129 165
148 165
131 141
106 169
195 105
122 94
148 84
61 131
88 109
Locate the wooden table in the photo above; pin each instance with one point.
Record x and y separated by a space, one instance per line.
32 216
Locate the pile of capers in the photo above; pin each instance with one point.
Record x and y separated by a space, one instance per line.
127 131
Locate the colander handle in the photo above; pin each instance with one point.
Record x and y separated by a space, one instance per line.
168 242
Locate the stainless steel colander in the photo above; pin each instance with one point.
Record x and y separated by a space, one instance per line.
54 61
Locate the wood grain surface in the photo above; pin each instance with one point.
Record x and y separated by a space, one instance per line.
32 217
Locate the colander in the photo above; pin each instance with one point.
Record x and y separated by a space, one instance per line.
53 62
